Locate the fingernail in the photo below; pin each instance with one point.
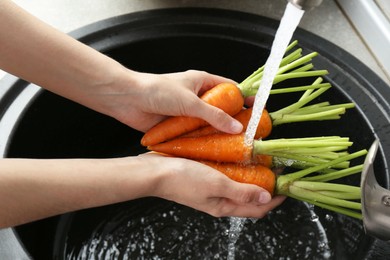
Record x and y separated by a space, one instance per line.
264 197
236 127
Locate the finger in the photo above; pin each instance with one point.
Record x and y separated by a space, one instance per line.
217 118
242 193
232 209
209 81
241 199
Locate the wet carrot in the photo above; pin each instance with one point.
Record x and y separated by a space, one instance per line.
249 173
217 147
294 152
264 159
309 185
263 130
225 96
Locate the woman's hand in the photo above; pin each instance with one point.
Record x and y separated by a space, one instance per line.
203 188
50 187
145 99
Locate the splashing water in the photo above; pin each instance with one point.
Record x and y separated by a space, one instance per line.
152 228
323 239
288 24
236 226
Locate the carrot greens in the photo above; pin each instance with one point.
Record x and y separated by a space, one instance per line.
292 66
318 191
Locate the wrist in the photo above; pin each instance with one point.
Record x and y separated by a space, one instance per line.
138 176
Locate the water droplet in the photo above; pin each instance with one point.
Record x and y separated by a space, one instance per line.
322 245
314 218
328 217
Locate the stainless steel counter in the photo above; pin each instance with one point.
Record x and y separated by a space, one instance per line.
327 21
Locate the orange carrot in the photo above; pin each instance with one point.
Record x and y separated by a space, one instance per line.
263 130
294 152
217 147
264 159
225 96
249 173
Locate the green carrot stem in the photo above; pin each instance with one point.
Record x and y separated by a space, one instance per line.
294 75
342 195
304 68
317 112
304 193
297 63
314 106
323 155
303 153
267 146
328 152
286 60
284 180
248 83
314 138
330 114
249 88
291 57
306 155
336 174
301 161
309 91
347 212
291 66
301 102
320 107
291 45
296 89
325 186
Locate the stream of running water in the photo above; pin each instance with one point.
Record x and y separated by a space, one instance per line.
287 26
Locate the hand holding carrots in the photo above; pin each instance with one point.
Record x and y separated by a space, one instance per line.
141 100
203 188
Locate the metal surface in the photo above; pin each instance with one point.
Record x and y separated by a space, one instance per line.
306 4
373 24
10 246
375 200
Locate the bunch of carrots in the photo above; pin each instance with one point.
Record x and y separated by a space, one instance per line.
315 160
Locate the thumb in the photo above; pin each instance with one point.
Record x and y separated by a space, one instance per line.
242 193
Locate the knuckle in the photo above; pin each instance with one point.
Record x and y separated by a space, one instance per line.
220 117
244 197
